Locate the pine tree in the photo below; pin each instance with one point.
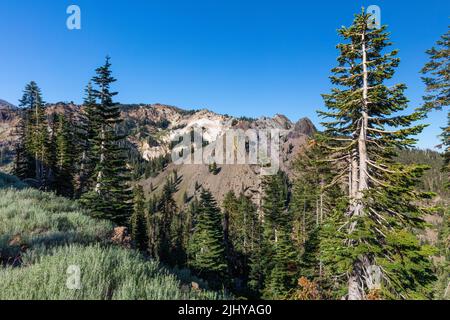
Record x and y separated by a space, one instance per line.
241 233
206 248
86 130
314 198
191 217
437 81
307 193
23 162
283 274
139 231
152 227
166 218
213 168
64 162
36 135
437 75
364 131
110 197
279 273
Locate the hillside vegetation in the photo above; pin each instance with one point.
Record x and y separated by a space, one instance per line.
41 235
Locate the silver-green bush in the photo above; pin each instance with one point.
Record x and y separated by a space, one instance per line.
47 234
106 273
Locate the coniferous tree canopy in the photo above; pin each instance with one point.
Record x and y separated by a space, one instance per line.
139 229
314 199
167 210
86 129
24 164
367 123
35 137
64 156
110 197
242 232
436 75
437 81
206 247
278 253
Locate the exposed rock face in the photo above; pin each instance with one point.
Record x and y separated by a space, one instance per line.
152 128
7 111
8 122
305 126
121 237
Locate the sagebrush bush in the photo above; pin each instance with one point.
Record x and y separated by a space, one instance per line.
106 273
43 219
46 234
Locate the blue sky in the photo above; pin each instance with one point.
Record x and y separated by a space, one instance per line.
247 58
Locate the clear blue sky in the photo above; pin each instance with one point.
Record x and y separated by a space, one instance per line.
247 58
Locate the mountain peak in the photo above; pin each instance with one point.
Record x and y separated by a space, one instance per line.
305 126
6 105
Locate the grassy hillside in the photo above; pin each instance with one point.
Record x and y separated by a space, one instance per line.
41 235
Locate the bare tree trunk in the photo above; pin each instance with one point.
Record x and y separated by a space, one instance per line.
356 279
321 201
102 160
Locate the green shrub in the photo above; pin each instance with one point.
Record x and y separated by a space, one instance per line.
106 273
43 219
8 181
41 235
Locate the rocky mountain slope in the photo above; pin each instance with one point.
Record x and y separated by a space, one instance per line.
152 128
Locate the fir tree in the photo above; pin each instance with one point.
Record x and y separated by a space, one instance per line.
167 210
206 248
139 231
279 273
284 271
436 75
152 227
191 217
64 162
241 233
314 198
381 251
86 131
213 168
437 81
110 197
24 164
36 133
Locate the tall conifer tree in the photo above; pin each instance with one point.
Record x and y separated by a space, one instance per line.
382 253
24 164
437 80
86 131
139 229
37 137
279 273
206 248
111 195
65 156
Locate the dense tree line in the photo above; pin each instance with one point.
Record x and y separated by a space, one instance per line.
80 158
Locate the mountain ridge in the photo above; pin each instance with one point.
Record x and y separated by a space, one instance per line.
152 128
